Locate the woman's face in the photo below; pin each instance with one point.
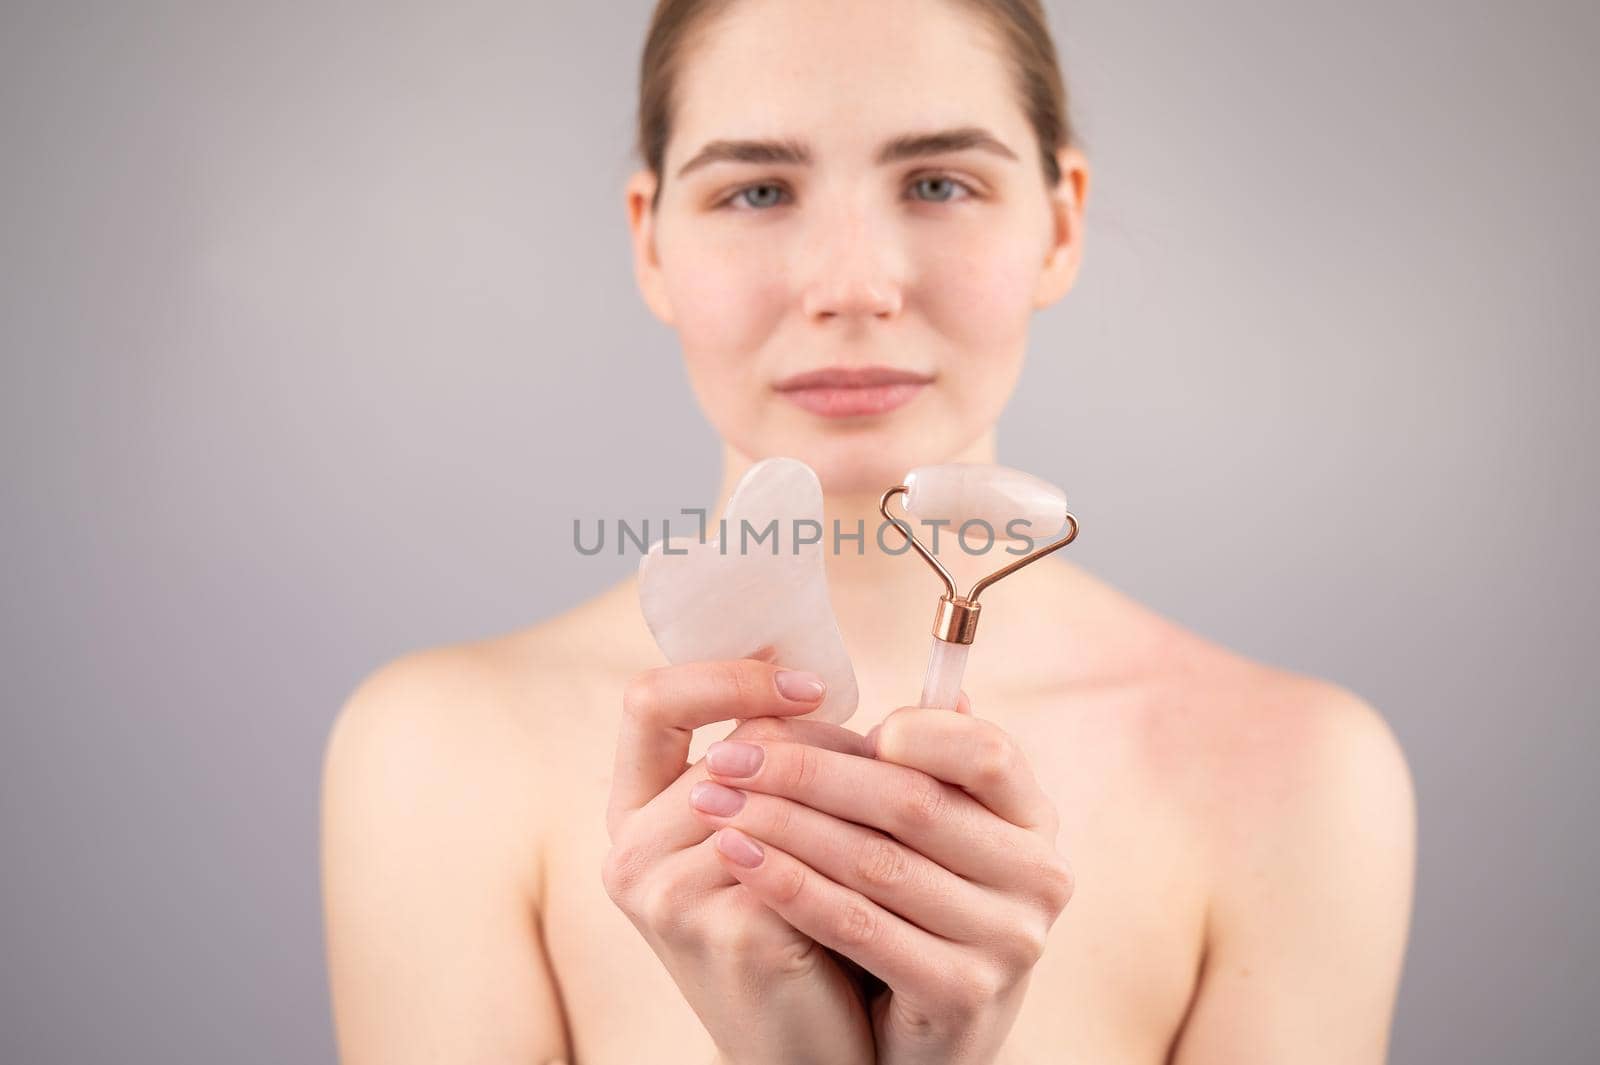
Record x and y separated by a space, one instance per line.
852 187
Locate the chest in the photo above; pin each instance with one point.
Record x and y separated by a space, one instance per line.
1112 987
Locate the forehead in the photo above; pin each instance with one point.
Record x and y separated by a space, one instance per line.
843 75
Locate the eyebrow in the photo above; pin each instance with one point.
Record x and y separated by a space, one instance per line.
796 153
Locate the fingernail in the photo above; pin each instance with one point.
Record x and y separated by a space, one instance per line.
712 798
739 848
800 686
734 759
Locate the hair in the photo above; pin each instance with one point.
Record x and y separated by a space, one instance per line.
1021 26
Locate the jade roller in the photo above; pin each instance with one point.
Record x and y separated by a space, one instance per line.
1012 503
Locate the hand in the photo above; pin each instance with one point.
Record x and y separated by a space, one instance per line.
765 992
932 865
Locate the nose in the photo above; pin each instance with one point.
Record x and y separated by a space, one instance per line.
856 269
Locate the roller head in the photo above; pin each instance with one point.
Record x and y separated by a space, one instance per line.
957 492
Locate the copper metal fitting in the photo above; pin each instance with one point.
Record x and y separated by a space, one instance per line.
956 620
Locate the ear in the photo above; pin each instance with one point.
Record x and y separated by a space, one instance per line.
640 190
1065 251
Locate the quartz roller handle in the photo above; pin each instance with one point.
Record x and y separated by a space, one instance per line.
941 686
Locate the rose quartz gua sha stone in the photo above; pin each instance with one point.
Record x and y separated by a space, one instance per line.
710 604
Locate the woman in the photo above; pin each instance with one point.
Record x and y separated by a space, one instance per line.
1130 846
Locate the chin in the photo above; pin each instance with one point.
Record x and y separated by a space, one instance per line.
865 461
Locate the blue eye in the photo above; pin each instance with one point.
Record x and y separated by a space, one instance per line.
941 187
758 202
934 188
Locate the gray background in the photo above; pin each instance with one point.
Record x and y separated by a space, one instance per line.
319 329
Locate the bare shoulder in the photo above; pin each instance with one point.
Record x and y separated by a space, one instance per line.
1256 748
436 812
1303 805
428 754
1242 741
1288 755
1266 763
459 740
1298 800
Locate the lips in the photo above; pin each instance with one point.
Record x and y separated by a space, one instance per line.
848 391
852 377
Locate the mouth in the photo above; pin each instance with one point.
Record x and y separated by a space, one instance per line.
852 391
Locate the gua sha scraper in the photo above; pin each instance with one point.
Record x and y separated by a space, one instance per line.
1014 504
711 603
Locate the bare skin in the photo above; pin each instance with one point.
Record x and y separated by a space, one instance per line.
1241 838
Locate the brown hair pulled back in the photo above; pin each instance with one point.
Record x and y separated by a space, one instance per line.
1020 25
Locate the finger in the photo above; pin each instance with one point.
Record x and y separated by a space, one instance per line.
662 707
667 823
963 706
878 866
903 955
823 734
684 895
972 754
684 878
938 820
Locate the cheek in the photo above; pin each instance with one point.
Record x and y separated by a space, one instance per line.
978 287
727 296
